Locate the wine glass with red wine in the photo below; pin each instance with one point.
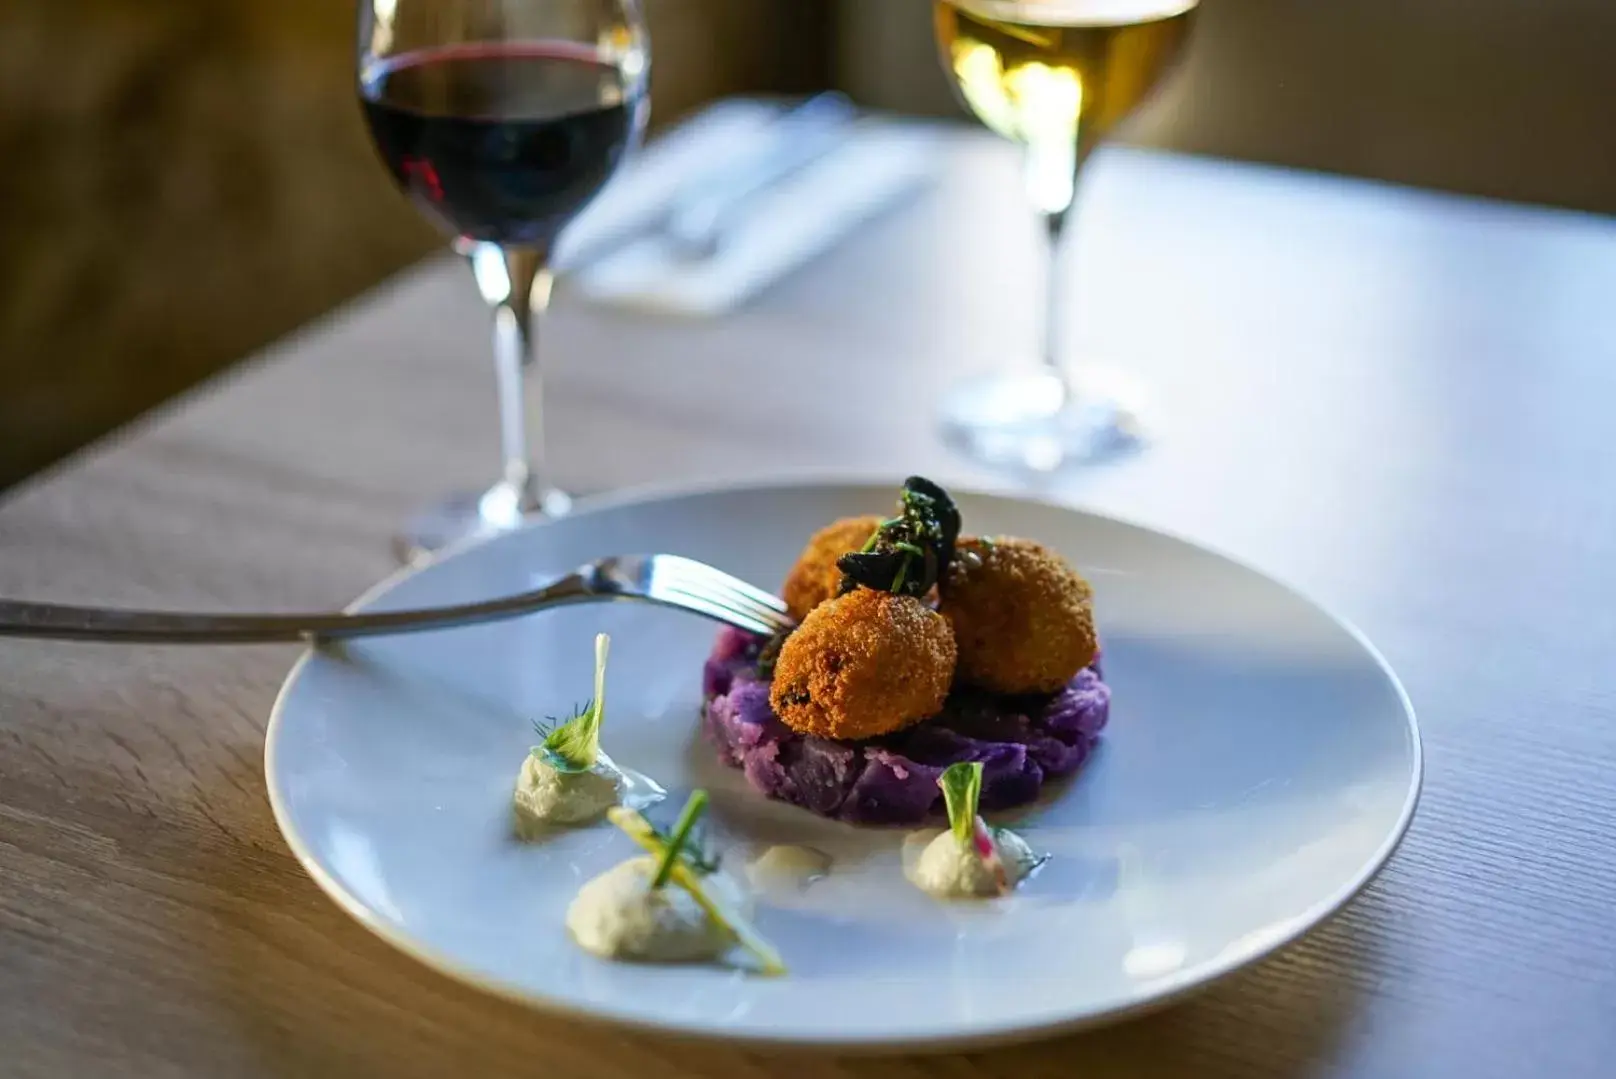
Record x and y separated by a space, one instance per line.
502 119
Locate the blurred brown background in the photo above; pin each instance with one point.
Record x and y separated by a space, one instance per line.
188 179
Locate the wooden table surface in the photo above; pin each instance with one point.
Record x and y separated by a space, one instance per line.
1399 401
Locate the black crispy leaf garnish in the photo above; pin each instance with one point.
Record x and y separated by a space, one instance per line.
908 554
940 507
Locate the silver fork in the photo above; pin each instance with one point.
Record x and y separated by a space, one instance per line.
662 579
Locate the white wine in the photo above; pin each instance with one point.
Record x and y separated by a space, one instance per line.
1047 72
1055 76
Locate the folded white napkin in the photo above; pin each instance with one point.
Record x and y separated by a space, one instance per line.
803 215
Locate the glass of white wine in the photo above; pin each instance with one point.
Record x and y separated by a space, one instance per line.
1055 76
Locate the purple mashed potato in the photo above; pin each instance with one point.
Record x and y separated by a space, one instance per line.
1021 741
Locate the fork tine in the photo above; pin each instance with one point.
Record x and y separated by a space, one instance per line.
699 604
767 600
765 616
714 598
701 574
721 589
718 588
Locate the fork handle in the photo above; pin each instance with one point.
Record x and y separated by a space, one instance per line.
60 622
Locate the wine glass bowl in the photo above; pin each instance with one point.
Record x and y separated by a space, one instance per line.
501 121
1054 76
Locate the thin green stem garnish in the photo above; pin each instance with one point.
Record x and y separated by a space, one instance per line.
637 828
875 536
962 789
897 581
574 746
681 832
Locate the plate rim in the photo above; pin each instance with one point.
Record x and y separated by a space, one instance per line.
1172 990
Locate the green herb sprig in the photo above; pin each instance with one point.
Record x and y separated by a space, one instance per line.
962 790
673 845
573 745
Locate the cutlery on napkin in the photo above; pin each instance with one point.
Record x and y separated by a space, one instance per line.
716 210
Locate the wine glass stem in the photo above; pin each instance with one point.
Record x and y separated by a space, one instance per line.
1054 311
1051 175
515 282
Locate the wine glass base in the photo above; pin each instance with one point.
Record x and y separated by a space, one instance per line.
464 517
1029 422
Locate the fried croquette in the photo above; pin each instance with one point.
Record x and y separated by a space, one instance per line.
864 664
815 577
1023 619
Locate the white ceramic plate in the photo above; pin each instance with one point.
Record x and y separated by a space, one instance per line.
1261 764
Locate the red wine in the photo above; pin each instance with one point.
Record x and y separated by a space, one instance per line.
501 142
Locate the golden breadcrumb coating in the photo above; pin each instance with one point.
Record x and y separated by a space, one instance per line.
1023 619
815 578
864 664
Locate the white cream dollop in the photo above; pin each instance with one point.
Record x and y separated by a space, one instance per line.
547 796
619 915
949 869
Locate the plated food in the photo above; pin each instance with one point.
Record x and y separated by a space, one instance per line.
672 905
969 860
931 649
567 779
1267 765
870 709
